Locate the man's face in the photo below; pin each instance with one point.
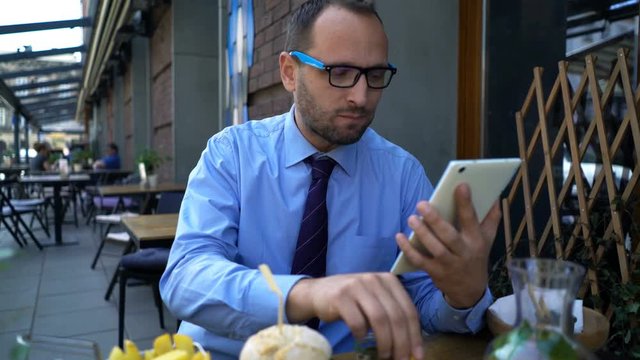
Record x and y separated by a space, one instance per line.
328 116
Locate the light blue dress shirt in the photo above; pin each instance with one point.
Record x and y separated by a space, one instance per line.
243 206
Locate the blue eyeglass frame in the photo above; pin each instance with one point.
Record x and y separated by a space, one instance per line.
313 62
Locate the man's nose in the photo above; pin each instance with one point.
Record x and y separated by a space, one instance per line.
359 92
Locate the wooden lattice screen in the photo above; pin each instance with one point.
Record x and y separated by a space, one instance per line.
603 195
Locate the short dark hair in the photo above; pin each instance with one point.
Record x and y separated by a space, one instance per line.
113 147
303 18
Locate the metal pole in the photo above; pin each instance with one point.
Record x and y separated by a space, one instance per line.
26 142
16 136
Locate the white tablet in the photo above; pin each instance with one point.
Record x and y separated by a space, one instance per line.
486 178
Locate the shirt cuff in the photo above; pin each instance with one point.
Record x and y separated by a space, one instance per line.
464 320
263 301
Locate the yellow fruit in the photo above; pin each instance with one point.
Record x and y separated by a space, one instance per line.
131 350
201 356
163 349
174 355
149 355
116 354
162 344
183 342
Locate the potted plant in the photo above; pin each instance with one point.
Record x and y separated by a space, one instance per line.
80 159
151 160
7 157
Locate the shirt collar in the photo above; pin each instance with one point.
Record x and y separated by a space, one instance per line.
297 148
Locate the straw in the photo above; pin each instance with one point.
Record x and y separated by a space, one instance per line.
266 272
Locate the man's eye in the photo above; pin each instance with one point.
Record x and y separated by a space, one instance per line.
343 72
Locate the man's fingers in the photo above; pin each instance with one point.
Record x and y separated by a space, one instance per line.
465 212
368 299
489 225
410 330
395 302
355 319
441 230
425 236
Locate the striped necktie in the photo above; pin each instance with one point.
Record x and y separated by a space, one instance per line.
311 250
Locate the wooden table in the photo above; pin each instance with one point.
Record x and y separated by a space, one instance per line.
56 181
151 230
447 346
139 190
107 176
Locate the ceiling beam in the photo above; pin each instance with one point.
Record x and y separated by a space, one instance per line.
62 114
50 105
42 71
37 54
39 102
47 110
46 84
66 131
49 25
74 88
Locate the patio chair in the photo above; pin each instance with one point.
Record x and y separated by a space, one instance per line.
146 265
121 237
14 213
107 204
22 196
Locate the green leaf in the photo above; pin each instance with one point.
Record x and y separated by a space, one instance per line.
633 308
627 337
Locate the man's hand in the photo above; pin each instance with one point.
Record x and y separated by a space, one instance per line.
371 300
458 259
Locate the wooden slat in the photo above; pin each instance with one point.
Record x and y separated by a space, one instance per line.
526 191
606 162
632 109
508 239
575 161
548 162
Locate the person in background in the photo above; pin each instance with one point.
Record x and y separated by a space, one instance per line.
41 161
111 161
255 197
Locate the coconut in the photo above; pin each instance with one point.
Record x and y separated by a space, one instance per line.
292 343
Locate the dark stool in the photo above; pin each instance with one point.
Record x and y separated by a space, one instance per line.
146 265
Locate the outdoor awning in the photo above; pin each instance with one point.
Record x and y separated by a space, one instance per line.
35 85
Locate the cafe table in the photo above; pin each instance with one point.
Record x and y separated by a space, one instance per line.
138 190
107 176
446 346
156 230
57 181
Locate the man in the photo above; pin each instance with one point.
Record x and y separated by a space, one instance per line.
246 198
111 161
41 161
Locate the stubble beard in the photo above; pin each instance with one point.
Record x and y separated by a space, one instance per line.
322 122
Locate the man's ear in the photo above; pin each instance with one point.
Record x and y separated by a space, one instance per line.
288 71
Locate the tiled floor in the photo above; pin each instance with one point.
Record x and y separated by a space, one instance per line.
54 292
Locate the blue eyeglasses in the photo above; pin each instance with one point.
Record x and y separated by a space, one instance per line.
346 76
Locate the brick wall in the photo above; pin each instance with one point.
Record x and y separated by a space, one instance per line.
267 96
126 153
162 116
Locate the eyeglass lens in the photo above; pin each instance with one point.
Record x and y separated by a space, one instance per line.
347 76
